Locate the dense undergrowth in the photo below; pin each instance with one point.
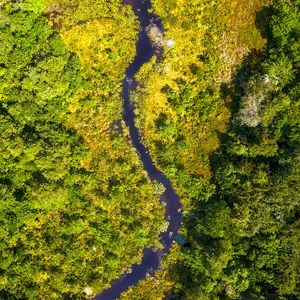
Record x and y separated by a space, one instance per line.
76 207
220 114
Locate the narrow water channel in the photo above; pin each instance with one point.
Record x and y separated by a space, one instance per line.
151 259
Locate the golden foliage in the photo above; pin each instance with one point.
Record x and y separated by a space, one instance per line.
239 34
160 285
102 48
225 32
105 47
148 289
66 13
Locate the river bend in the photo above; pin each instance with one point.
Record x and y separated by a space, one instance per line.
145 49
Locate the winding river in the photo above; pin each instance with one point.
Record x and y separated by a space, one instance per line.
151 259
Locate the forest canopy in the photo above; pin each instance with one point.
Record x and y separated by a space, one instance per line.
219 113
76 207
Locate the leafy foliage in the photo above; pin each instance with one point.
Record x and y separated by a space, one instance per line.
230 144
220 115
76 209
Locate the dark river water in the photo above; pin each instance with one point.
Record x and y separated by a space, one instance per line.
151 259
